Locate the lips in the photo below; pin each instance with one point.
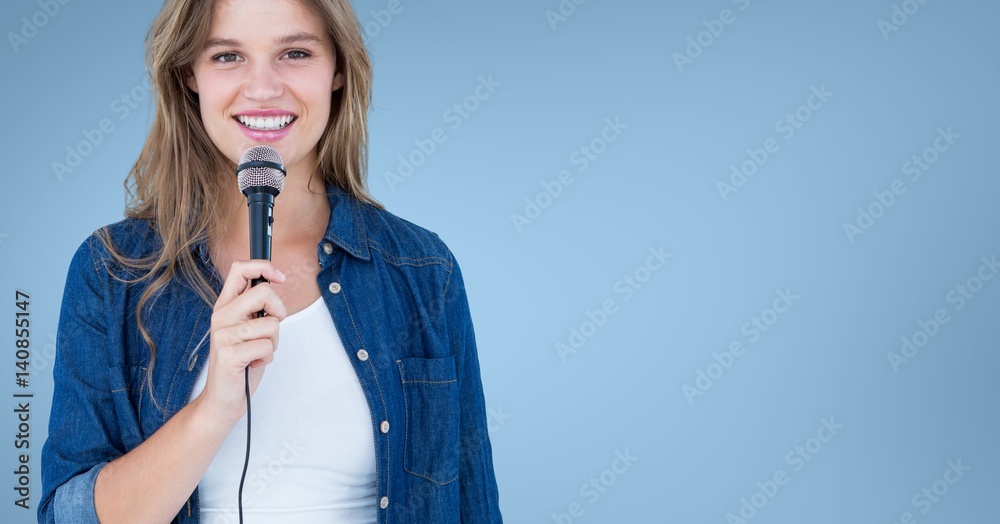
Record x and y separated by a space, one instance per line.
265 123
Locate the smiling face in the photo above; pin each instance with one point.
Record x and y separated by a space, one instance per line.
266 76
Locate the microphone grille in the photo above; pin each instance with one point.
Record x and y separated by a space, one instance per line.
265 169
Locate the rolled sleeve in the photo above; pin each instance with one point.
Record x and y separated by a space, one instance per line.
74 500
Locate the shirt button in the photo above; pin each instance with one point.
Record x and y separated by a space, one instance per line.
362 355
384 426
328 248
383 502
334 287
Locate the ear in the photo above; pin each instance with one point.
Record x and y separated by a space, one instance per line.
338 81
191 81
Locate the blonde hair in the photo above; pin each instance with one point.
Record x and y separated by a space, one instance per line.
176 177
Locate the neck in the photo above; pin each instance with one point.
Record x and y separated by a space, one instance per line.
301 212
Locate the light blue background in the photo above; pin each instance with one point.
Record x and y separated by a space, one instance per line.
556 424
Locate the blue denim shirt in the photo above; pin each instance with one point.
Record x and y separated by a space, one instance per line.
397 298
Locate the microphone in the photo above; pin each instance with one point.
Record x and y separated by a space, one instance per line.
261 176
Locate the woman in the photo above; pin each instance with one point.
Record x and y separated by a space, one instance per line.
372 410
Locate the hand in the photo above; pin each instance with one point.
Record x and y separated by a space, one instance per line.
239 339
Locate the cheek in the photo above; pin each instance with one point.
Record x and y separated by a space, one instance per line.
323 100
212 106
321 89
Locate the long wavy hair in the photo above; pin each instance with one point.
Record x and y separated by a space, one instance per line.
176 178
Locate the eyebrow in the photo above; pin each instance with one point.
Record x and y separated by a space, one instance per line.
296 38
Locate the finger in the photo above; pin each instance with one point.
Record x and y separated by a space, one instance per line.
259 298
261 350
252 329
241 273
261 362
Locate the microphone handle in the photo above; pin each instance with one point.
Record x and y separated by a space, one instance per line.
261 208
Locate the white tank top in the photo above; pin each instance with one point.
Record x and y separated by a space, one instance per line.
312 453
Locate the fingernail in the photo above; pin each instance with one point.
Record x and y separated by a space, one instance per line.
280 274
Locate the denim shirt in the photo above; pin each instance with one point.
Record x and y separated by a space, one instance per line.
398 301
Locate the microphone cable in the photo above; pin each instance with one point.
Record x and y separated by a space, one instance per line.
246 459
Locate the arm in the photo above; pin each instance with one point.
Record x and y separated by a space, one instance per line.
161 472
83 434
87 476
84 464
478 488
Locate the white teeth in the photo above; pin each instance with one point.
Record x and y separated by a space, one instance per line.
265 123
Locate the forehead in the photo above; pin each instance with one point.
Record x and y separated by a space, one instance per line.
264 20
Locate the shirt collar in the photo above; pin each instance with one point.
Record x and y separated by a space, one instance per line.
346 228
347 224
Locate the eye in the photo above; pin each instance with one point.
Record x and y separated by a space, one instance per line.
297 54
227 57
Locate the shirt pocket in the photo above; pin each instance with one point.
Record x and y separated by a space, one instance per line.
430 398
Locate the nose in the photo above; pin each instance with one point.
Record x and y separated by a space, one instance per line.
263 82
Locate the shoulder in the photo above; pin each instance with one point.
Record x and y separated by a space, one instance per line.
130 238
422 258
402 242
